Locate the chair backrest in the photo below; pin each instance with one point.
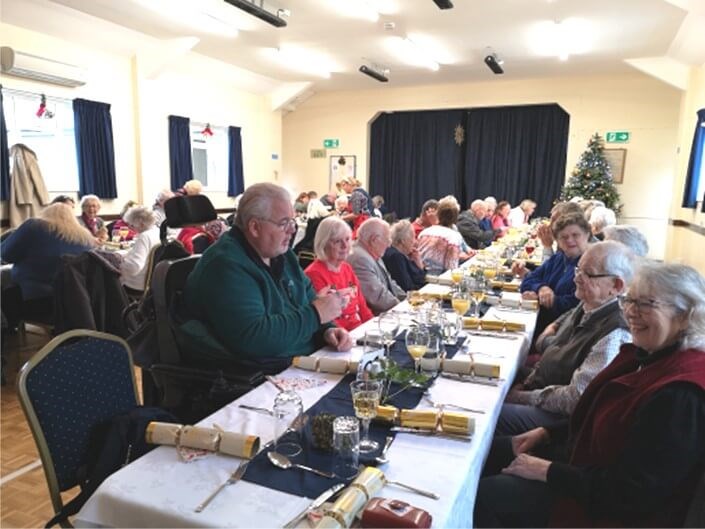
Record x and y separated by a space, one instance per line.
169 278
77 381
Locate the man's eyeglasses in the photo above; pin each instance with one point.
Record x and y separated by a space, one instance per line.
642 306
580 272
284 225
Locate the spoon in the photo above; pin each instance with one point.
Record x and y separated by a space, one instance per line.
382 457
281 461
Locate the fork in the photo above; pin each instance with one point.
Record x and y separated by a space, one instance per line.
450 405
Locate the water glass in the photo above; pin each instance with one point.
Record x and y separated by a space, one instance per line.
430 362
288 413
452 324
388 323
346 442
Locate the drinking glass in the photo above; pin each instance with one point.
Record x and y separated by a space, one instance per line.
460 301
115 235
346 442
430 362
415 299
124 232
388 323
456 275
288 413
365 395
452 324
477 288
417 340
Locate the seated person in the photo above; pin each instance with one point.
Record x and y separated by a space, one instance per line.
552 283
35 249
428 217
114 227
469 226
248 299
635 452
521 214
330 271
499 220
629 236
134 267
402 258
600 218
577 346
544 231
441 246
380 290
89 219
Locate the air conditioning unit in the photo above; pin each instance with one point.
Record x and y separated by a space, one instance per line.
39 68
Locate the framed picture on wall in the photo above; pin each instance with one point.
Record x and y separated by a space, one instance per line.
340 167
616 159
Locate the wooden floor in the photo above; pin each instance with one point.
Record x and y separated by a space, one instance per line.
24 496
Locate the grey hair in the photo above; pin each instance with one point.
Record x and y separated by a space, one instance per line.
329 228
140 217
449 199
401 230
477 203
377 201
491 200
256 202
371 227
629 235
163 196
342 199
87 198
527 203
617 259
601 217
681 286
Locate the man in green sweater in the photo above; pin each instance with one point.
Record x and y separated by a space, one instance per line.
248 299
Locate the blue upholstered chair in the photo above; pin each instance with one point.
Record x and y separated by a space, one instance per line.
78 380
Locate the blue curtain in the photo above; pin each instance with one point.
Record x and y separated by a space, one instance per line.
690 197
180 162
517 152
93 129
414 157
4 155
236 179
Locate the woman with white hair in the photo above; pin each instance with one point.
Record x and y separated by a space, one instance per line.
133 271
89 219
600 218
331 271
636 436
629 236
35 249
158 206
403 259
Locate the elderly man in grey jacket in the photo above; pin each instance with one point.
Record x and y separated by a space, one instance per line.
380 291
469 226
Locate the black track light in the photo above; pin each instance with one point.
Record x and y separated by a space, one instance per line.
259 12
444 4
494 63
373 73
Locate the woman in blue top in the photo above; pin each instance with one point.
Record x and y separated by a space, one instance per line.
552 283
35 249
402 258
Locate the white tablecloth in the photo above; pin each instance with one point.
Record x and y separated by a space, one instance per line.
158 490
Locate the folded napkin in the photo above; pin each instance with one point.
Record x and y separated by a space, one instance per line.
456 422
426 419
211 439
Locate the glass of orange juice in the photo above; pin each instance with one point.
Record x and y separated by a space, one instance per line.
456 275
417 340
460 301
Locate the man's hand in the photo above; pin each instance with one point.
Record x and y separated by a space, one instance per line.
339 338
528 467
527 441
329 304
546 296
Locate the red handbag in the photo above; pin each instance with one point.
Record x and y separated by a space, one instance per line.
383 512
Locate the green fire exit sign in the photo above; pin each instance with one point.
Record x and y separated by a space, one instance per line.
620 136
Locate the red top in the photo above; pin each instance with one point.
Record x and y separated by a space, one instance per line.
418 227
357 311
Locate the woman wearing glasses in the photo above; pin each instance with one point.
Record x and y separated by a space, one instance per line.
637 434
552 282
575 347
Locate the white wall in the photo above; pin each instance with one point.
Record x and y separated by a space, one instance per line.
646 107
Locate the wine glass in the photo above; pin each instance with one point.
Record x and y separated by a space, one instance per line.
460 301
365 395
388 323
529 248
415 299
456 275
417 340
477 288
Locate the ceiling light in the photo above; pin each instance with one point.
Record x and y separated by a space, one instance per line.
572 36
443 4
302 60
376 72
259 12
407 51
355 9
494 63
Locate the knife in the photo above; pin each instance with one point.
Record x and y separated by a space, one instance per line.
315 504
472 380
255 408
234 478
431 433
493 334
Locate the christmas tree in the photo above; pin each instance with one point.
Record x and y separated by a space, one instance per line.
592 177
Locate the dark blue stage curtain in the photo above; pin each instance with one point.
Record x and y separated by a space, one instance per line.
516 152
697 152
180 164
414 157
236 179
93 130
4 156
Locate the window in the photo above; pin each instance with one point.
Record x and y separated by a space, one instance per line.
52 139
210 157
699 169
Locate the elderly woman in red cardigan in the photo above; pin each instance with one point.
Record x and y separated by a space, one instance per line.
330 271
636 445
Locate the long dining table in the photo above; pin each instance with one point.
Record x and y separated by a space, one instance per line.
161 490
